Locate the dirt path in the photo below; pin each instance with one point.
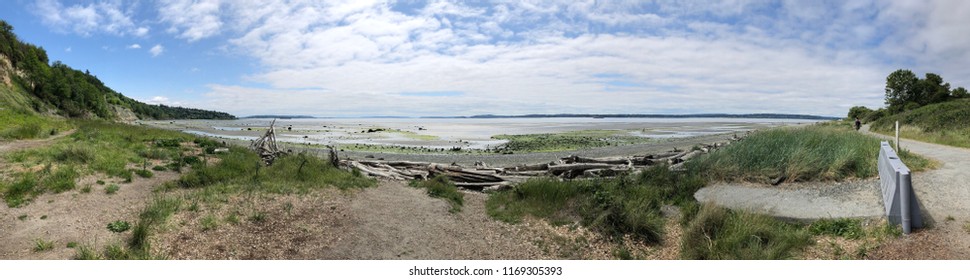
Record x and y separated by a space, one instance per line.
16 145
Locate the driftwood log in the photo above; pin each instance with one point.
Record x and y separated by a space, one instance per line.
483 178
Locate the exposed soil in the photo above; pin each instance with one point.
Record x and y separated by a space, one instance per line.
74 216
390 221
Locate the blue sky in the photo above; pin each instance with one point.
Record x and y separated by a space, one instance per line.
433 58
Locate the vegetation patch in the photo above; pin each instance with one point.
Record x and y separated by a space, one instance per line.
440 187
716 233
111 189
799 154
119 226
620 206
43 245
572 140
946 123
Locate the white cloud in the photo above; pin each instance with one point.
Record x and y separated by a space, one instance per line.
192 19
353 57
68 49
134 46
107 17
162 100
156 50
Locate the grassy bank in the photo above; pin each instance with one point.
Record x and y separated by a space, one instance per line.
820 152
631 205
572 140
97 148
946 123
19 121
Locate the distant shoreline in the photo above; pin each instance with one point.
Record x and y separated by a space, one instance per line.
595 116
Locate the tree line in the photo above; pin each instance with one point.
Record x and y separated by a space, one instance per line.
905 91
74 93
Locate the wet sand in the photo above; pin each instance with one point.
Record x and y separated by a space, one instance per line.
472 135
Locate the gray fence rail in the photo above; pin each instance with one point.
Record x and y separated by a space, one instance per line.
897 190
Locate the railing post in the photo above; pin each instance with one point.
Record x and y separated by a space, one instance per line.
902 179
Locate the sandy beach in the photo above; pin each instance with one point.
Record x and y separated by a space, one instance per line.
433 140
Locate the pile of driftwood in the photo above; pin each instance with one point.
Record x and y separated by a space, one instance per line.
481 177
266 146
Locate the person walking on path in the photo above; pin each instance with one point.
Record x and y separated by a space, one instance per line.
858 124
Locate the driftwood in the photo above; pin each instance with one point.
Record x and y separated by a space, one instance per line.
484 178
266 146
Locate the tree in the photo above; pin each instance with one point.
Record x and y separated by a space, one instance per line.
860 112
959 92
902 86
933 89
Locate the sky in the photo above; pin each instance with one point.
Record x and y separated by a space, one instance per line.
456 58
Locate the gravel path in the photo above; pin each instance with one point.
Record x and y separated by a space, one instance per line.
944 192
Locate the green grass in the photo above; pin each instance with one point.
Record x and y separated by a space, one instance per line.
799 154
143 173
240 169
97 147
209 222
18 120
440 187
111 189
572 140
41 245
119 226
946 123
715 233
625 205
72 244
85 253
844 227
21 190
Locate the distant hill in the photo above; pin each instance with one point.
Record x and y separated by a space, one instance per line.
55 88
744 116
279 117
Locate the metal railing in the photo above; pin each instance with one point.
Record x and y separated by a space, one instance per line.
897 190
